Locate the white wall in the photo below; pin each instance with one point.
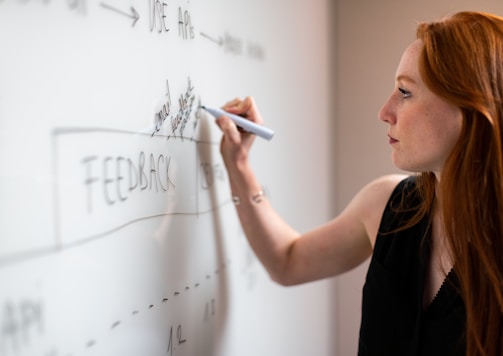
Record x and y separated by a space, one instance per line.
370 37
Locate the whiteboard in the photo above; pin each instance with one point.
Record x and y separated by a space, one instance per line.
117 232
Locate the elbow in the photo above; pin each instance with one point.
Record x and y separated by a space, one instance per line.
283 278
281 281
283 273
285 282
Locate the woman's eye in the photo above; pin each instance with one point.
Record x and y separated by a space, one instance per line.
405 93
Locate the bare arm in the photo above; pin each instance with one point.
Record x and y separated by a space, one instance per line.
289 257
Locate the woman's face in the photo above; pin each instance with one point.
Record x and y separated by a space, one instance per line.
423 127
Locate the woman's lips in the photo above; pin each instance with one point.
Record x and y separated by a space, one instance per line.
392 140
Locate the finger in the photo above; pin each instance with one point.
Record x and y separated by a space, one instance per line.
229 129
246 108
231 105
251 109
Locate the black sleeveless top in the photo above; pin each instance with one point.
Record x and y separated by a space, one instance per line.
393 320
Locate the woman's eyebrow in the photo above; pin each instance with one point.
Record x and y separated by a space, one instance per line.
405 78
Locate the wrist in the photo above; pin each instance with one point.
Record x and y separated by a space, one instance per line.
243 183
238 167
254 198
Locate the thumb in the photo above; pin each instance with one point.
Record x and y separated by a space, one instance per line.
229 129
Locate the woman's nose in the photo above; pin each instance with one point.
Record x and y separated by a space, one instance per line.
386 114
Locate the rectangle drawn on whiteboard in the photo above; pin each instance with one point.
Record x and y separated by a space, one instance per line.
107 179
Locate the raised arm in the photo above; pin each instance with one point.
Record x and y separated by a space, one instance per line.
289 257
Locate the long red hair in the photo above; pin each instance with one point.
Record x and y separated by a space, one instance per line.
462 61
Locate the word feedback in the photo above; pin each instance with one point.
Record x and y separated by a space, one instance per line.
119 177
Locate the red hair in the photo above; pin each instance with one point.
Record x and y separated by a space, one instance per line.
462 62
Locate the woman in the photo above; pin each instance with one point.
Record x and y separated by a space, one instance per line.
435 281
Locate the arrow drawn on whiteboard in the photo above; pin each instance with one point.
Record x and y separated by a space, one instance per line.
218 41
134 14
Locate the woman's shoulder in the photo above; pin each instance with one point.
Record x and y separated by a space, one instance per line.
388 182
379 190
373 198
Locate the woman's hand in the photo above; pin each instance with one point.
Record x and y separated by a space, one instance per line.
236 143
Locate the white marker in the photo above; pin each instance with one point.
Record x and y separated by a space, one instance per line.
245 124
